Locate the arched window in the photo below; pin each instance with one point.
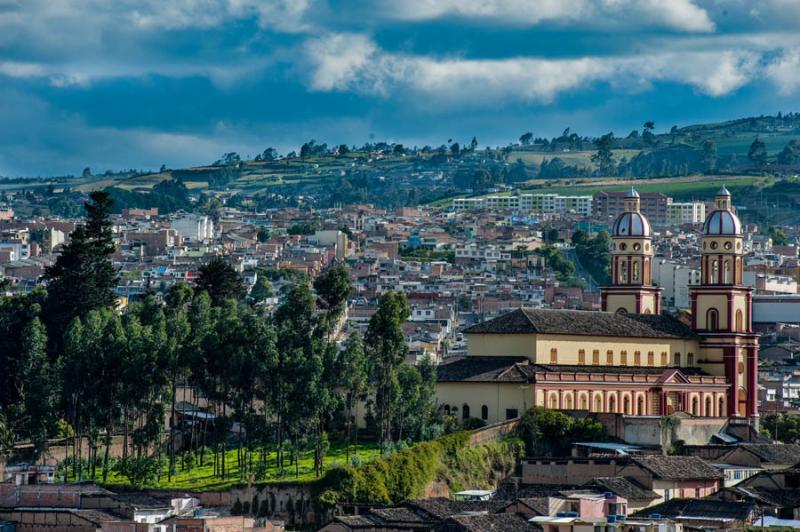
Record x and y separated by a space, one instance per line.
663 358
568 402
598 404
640 406
596 357
690 359
695 406
623 358
622 310
712 319
739 321
676 360
612 404
582 357
727 272
626 405
721 406
709 407
635 271
553 402
554 356
584 402
465 411
651 358
714 271
623 272
637 358
484 412
610 357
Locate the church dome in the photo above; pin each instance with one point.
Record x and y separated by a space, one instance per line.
631 224
722 223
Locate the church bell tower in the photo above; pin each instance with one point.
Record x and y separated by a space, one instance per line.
722 309
631 288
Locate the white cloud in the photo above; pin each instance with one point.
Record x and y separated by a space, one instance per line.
15 69
784 71
680 15
352 62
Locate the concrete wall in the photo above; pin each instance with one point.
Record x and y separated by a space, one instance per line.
646 430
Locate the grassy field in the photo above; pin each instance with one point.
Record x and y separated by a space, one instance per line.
694 187
571 158
201 478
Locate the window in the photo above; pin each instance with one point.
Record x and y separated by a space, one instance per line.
582 357
635 271
465 411
637 358
676 360
712 319
554 356
610 357
596 357
623 358
727 272
651 358
512 413
663 358
623 272
739 321
484 412
714 271
690 359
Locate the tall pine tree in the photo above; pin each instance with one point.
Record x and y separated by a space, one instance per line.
83 277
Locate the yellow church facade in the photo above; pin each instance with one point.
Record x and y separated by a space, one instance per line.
630 358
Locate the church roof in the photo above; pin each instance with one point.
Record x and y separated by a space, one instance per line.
584 323
484 369
519 369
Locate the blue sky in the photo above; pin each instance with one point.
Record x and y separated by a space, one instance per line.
115 84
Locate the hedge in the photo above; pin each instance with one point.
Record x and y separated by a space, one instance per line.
405 474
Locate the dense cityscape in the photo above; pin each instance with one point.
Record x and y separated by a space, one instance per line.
429 266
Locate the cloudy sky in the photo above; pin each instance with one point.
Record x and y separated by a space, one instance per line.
116 84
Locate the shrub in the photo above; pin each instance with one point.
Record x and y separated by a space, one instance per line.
472 423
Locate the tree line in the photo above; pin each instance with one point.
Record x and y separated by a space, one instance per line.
75 365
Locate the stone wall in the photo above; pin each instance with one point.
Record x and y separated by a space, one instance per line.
492 433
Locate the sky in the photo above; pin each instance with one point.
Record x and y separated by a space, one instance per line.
117 84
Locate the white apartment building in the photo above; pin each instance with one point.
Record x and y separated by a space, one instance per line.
194 227
674 279
776 284
542 203
691 212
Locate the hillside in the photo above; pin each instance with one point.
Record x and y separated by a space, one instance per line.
390 175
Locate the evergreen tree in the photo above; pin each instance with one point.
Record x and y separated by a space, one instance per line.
221 281
83 277
758 153
386 349
40 388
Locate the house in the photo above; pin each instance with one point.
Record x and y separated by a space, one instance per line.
666 476
483 523
770 456
704 514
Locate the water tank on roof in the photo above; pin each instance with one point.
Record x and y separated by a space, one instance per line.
608 495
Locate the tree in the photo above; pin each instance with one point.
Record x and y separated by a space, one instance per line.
263 235
758 153
551 433
386 349
709 157
398 150
525 138
790 153
139 470
455 149
40 389
647 133
221 281
353 371
334 288
87 172
473 145
604 158
83 277
261 290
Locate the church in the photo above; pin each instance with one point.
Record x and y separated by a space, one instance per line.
630 358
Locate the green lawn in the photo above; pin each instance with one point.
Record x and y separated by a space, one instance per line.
201 478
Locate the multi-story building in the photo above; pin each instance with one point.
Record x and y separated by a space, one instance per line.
690 212
607 206
542 203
